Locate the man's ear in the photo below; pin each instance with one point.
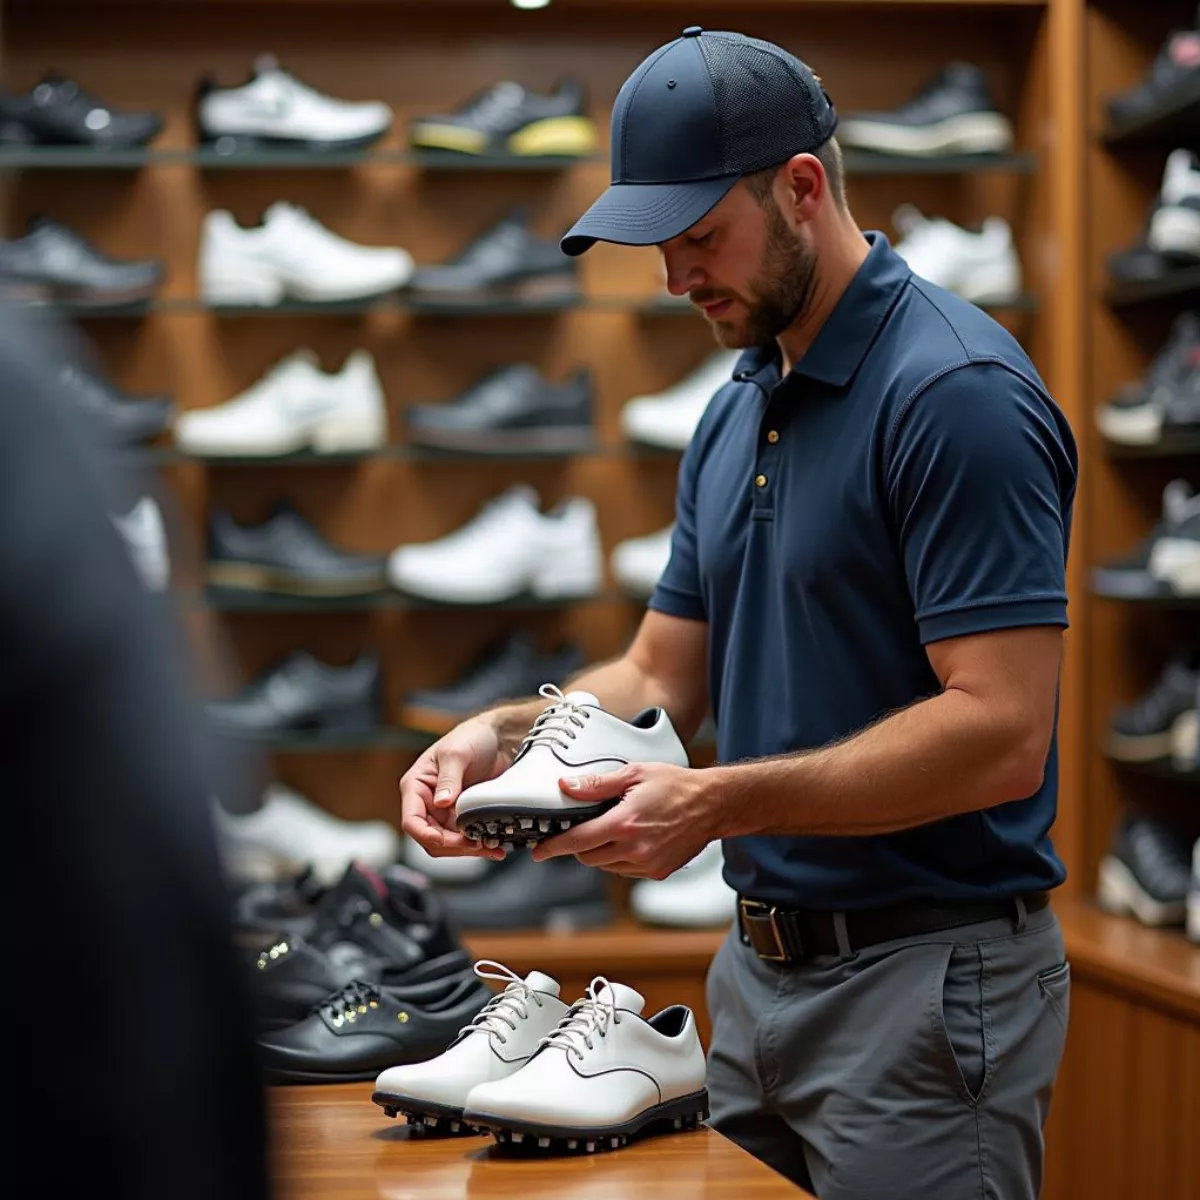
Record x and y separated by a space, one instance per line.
800 186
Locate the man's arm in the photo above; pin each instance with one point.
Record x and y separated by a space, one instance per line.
982 741
665 666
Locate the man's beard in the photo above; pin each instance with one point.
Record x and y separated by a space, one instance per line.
779 293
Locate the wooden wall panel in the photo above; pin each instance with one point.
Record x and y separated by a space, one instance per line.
1126 1112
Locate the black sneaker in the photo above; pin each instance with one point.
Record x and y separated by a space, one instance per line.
560 894
1136 415
954 114
58 112
286 555
1145 730
273 912
512 409
1172 81
53 262
365 1028
303 695
1146 873
1144 573
507 119
1181 407
506 263
508 669
118 419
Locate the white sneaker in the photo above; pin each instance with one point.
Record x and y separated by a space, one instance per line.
291 254
295 405
276 107
602 1076
670 418
495 1045
637 563
508 549
573 733
289 833
1175 556
145 535
1175 222
450 870
694 897
981 267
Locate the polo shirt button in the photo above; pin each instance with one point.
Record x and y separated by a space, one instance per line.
760 481
773 436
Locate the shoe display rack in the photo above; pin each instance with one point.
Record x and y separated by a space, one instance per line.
1068 194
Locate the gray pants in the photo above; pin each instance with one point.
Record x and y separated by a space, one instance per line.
914 1070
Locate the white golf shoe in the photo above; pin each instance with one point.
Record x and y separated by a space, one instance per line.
637 563
292 255
294 406
604 1075
495 1045
694 897
572 735
669 418
981 267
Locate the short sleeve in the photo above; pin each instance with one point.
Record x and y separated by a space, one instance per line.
678 593
980 472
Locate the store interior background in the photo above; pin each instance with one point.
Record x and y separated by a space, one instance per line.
1127 1108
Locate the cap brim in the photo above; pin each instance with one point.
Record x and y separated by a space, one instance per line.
644 214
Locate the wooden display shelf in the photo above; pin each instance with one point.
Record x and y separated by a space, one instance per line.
1165 601
235 600
1161 769
1156 965
398 452
1176 285
1178 445
69 158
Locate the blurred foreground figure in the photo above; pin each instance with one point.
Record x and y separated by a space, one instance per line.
131 1034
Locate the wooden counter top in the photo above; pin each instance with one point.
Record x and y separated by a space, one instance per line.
332 1143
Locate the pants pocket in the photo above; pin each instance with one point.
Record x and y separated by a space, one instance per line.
1055 986
961 1019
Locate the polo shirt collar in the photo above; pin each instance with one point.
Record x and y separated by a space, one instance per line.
843 341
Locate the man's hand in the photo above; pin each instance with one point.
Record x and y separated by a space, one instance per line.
664 819
467 755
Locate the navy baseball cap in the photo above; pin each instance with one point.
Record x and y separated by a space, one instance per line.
697 115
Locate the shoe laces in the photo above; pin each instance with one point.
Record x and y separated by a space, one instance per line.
589 1017
507 1009
356 999
556 724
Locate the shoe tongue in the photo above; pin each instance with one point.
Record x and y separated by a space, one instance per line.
543 983
623 997
583 699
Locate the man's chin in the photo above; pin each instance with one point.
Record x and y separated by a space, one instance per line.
732 335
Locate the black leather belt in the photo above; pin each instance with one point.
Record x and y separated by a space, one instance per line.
790 936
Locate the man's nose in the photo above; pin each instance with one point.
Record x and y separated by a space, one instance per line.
683 272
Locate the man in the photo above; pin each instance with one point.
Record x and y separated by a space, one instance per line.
868 572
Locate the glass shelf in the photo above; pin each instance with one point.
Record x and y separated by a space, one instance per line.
234 601
67 158
1181 284
1165 600
1176 445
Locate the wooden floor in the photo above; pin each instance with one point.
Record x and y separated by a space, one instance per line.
332 1143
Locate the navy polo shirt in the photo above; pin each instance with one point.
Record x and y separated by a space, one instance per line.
909 480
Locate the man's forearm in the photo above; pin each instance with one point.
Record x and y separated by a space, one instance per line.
940 757
622 688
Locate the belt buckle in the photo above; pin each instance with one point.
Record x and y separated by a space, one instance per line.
756 908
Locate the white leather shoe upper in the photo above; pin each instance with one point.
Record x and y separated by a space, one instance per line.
497 1043
296 252
280 412
603 1065
977 266
275 104
694 897
637 563
573 735
508 548
670 418
289 832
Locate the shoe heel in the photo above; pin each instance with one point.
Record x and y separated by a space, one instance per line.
343 434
